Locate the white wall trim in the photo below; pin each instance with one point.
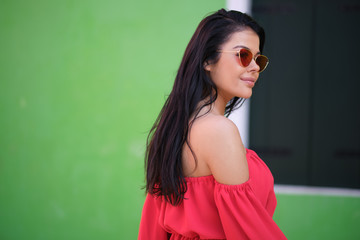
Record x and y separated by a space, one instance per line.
241 116
323 191
239 5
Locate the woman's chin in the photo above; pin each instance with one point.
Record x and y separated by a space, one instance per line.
245 95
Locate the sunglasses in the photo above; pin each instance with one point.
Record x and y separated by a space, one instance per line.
245 57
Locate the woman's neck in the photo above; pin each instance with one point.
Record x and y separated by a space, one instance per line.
216 108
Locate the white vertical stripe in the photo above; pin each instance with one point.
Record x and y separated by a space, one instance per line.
239 5
241 116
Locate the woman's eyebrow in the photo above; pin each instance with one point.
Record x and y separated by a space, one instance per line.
242 46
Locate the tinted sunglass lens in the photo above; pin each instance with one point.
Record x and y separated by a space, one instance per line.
245 57
262 61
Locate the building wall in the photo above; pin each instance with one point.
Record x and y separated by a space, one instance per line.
81 83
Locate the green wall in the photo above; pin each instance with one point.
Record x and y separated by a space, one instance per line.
81 83
317 217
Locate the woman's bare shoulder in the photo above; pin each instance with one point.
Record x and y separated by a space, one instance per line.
214 126
218 142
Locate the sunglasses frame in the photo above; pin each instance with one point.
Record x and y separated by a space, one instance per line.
238 52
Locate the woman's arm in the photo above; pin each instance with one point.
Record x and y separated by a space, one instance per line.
218 143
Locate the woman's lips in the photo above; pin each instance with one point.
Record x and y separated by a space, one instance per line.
249 81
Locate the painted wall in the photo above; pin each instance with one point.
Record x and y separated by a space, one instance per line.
316 217
81 83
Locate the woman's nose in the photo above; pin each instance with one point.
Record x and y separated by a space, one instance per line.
253 66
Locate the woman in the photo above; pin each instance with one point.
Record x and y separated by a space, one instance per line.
201 181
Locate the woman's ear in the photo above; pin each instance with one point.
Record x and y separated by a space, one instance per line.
207 66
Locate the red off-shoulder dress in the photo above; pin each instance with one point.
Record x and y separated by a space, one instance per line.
213 210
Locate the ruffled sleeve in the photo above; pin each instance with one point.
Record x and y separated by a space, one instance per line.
149 224
242 215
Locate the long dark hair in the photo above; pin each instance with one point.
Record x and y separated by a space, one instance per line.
164 173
